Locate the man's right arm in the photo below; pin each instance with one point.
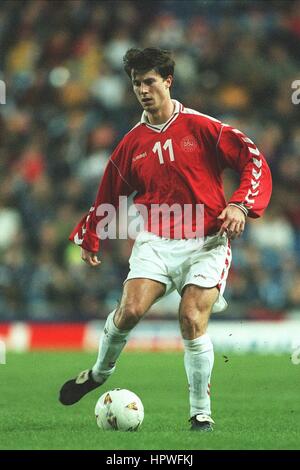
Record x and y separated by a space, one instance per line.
114 183
90 258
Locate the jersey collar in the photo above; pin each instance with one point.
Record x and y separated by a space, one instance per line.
163 127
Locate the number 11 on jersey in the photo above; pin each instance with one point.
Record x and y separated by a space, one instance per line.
167 146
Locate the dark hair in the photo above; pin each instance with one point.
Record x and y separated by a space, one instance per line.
147 59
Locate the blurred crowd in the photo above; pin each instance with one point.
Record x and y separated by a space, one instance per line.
69 102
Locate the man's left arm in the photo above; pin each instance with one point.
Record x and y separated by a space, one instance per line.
251 198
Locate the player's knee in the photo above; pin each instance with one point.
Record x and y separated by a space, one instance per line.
189 317
129 315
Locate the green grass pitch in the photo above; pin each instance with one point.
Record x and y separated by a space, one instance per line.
255 401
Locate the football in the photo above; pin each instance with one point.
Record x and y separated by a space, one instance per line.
119 410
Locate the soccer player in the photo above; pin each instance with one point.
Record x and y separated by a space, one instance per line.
174 155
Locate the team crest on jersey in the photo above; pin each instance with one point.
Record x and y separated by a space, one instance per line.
189 144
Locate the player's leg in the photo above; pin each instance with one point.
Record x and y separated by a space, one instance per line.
138 296
194 311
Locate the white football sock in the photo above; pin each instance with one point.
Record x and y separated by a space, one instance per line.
112 342
198 362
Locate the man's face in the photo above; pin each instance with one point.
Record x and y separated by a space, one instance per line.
151 90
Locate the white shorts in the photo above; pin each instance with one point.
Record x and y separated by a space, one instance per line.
176 263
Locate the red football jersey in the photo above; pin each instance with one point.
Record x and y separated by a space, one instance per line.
180 162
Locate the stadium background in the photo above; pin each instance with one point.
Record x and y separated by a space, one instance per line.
68 103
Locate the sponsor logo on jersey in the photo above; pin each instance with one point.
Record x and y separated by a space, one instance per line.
141 155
